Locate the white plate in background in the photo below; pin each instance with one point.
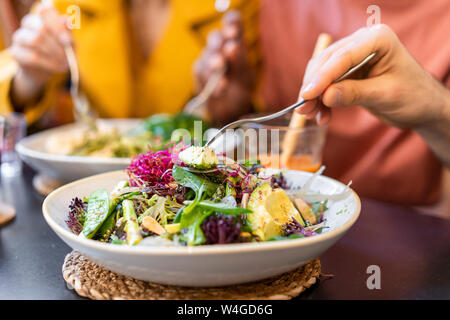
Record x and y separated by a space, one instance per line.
46 152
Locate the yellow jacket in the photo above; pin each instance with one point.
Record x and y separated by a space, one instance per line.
164 82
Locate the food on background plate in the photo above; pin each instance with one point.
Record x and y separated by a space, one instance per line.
113 144
153 133
163 203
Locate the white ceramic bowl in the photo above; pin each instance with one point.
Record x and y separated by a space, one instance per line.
203 266
52 161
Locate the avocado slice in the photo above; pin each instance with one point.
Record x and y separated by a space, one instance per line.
271 209
305 211
172 228
199 157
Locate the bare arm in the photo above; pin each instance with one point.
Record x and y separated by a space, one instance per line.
395 88
437 133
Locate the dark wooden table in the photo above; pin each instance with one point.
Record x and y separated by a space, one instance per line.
411 249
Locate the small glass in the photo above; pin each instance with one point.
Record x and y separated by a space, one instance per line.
12 129
277 146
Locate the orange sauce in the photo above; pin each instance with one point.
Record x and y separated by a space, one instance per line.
300 162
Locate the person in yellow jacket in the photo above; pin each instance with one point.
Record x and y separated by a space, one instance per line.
135 57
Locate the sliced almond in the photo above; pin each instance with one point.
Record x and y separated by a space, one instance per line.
245 199
245 234
305 211
152 225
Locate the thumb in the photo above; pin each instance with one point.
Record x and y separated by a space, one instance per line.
351 93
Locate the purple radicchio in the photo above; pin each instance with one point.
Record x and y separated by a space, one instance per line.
77 211
222 229
294 227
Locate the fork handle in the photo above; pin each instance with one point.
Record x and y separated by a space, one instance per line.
238 123
274 115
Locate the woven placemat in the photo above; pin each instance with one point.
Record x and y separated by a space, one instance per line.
95 282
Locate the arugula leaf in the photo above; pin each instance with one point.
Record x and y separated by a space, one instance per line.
319 231
177 218
220 207
198 197
200 185
319 207
192 180
192 222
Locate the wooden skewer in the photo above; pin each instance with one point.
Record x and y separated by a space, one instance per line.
323 41
298 120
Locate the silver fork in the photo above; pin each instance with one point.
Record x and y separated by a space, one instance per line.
226 164
199 101
82 109
278 114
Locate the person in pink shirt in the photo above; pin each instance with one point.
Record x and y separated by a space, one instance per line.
390 130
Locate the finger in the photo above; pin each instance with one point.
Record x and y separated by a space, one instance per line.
34 59
57 25
37 25
216 63
314 109
26 37
32 22
353 92
312 114
232 31
317 61
214 42
66 36
55 49
232 24
220 88
346 57
307 107
209 60
42 41
206 66
323 116
235 53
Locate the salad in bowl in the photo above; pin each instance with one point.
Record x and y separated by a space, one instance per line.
190 217
189 196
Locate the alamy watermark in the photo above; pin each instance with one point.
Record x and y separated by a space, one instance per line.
375 15
374 280
73 14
